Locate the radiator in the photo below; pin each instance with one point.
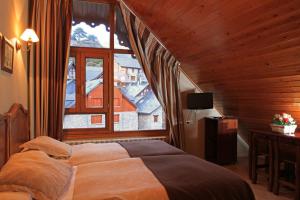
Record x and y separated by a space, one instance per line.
109 140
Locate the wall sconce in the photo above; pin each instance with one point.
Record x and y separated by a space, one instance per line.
30 37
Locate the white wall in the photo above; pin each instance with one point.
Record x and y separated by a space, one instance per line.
13 21
194 123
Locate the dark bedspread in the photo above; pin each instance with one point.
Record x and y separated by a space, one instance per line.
149 148
188 177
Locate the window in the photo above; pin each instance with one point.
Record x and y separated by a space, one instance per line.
116 118
87 88
107 90
138 102
83 121
155 118
96 119
117 102
94 82
71 84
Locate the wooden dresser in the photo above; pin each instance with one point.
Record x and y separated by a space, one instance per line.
221 140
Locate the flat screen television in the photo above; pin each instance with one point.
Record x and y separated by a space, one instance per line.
199 101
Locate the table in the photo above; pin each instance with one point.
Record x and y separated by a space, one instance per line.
274 140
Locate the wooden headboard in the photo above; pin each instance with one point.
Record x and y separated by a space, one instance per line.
3 141
18 130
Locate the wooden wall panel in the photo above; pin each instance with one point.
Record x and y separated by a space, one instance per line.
246 52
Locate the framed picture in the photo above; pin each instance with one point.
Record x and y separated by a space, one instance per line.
7 55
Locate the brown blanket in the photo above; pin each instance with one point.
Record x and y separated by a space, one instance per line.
150 148
186 177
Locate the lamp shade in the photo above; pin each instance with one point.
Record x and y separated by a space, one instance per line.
29 35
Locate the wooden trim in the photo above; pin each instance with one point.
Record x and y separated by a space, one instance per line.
101 1
70 134
123 51
112 26
106 64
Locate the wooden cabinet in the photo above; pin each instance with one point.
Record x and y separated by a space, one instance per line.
221 140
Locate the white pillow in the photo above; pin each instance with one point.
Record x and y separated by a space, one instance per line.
50 146
36 173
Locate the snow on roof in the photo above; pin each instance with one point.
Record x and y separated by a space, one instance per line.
131 91
93 73
70 90
69 104
90 85
148 104
126 60
70 93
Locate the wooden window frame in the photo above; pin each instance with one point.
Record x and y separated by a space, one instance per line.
108 109
96 54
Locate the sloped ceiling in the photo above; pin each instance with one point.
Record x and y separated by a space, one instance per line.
246 52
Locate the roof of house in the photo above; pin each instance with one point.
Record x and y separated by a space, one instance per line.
131 91
126 60
145 104
93 73
91 85
70 93
148 104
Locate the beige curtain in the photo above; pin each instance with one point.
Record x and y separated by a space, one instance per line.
162 71
51 19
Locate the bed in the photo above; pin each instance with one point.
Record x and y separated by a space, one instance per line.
90 152
147 173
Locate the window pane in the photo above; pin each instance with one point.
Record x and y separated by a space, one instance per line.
94 83
90 26
84 121
121 36
71 84
134 101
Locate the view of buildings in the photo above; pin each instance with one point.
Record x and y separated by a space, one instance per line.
135 105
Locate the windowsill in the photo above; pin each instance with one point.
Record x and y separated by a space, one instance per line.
83 134
117 139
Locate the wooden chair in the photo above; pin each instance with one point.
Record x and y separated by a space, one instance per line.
287 152
262 147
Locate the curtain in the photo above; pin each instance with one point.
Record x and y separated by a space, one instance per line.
51 19
162 71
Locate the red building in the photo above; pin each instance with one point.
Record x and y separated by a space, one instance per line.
121 104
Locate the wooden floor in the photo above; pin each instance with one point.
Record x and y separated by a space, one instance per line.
259 189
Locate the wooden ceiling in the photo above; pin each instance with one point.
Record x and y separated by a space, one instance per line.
246 52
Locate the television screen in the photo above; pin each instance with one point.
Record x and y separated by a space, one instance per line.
200 101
